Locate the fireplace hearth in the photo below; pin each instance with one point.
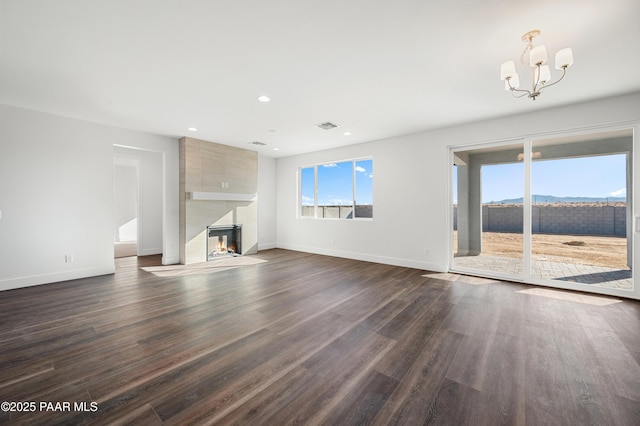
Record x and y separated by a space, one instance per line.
224 241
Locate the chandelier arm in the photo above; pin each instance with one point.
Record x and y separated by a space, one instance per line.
513 89
564 72
526 92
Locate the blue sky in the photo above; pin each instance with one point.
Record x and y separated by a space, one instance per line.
335 183
601 176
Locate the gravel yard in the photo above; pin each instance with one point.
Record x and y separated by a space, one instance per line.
581 249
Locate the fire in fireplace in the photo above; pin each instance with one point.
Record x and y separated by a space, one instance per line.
224 241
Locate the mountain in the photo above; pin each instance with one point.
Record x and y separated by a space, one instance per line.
551 199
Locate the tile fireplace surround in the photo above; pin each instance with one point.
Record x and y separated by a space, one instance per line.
218 187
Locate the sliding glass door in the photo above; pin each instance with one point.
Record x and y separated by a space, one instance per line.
487 210
551 211
581 209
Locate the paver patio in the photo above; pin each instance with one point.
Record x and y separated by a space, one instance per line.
584 274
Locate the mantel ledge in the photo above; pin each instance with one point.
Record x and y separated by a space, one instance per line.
221 196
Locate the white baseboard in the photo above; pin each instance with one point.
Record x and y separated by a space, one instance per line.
267 246
149 251
407 263
32 280
169 260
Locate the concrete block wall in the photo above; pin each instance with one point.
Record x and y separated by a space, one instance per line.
620 220
335 212
338 212
584 220
503 219
561 219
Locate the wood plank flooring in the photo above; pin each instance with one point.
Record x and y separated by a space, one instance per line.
308 339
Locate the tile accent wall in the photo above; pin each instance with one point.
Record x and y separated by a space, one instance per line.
214 168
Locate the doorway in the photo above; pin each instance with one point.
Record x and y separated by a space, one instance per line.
125 190
551 211
138 202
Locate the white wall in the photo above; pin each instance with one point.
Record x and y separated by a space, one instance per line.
150 235
56 196
411 201
266 202
125 201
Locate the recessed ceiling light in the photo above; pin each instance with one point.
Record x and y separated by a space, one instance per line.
192 129
347 133
264 98
276 149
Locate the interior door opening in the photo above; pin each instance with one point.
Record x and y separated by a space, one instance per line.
125 195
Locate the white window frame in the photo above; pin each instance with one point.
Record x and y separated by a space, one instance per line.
315 167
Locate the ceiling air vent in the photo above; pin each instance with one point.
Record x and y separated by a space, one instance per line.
258 143
327 126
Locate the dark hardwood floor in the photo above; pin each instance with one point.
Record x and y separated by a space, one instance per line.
308 339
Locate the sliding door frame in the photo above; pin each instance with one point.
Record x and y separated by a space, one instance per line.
527 143
451 263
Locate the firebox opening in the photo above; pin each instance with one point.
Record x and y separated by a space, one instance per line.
224 241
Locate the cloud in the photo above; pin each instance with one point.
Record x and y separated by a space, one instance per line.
330 165
307 201
619 193
363 170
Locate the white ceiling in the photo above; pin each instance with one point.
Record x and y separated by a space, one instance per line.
376 68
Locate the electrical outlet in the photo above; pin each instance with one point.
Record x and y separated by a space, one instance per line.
68 258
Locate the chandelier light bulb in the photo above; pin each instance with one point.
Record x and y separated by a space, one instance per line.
543 75
564 58
538 56
507 69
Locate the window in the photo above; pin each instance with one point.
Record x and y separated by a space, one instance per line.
341 190
335 190
364 188
308 192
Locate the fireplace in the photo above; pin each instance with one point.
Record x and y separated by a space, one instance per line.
224 241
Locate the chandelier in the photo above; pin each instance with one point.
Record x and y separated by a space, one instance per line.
535 57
